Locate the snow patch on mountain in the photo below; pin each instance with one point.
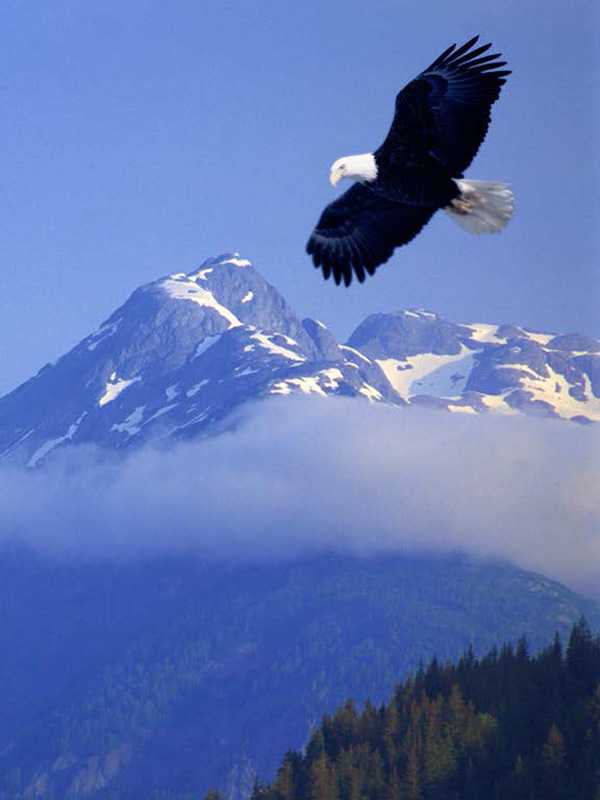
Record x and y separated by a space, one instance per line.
355 352
525 370
281 387
265 341
482 332
370 392
325 382
103 333
131 424
461 409
187 289
540 338
242 372
46 447
204 345
555 390
437 375
307 385
332 377
497 403
196 387
160 412
201 275
114 388
237 261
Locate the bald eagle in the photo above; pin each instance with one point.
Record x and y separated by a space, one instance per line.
440 121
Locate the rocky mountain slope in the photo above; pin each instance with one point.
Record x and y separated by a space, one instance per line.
187 349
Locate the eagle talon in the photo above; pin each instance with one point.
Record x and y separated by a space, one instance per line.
462 206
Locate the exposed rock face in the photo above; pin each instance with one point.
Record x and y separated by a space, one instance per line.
75 778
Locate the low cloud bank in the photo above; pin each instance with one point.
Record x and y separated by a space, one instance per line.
305 475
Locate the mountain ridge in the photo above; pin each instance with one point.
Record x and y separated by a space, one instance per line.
187 349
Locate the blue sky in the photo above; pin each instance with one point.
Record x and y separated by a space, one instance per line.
140 138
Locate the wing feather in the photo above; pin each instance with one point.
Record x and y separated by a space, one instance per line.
455 58
443 56
359 231
445 111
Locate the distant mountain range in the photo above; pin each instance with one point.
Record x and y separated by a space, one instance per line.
187 349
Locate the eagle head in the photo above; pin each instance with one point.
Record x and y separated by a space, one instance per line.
362 167
338 171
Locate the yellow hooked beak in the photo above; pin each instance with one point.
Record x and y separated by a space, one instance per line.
334 177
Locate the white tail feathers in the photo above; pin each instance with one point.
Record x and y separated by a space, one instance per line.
482 207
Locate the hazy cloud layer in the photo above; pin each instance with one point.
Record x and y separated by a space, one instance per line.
303 475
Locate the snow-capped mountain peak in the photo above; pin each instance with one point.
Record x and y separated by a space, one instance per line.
185 350
478 367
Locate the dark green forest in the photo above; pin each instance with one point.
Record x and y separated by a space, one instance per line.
507 725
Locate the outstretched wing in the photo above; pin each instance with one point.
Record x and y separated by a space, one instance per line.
444 112
359 231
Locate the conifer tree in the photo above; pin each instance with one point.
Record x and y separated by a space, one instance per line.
412 780
284 783
553 764
349 782
322 780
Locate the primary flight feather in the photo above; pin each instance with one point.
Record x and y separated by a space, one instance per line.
440 121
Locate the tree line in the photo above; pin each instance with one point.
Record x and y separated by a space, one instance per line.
508 725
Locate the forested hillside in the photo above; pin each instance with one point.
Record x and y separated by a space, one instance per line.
508 725
160 679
